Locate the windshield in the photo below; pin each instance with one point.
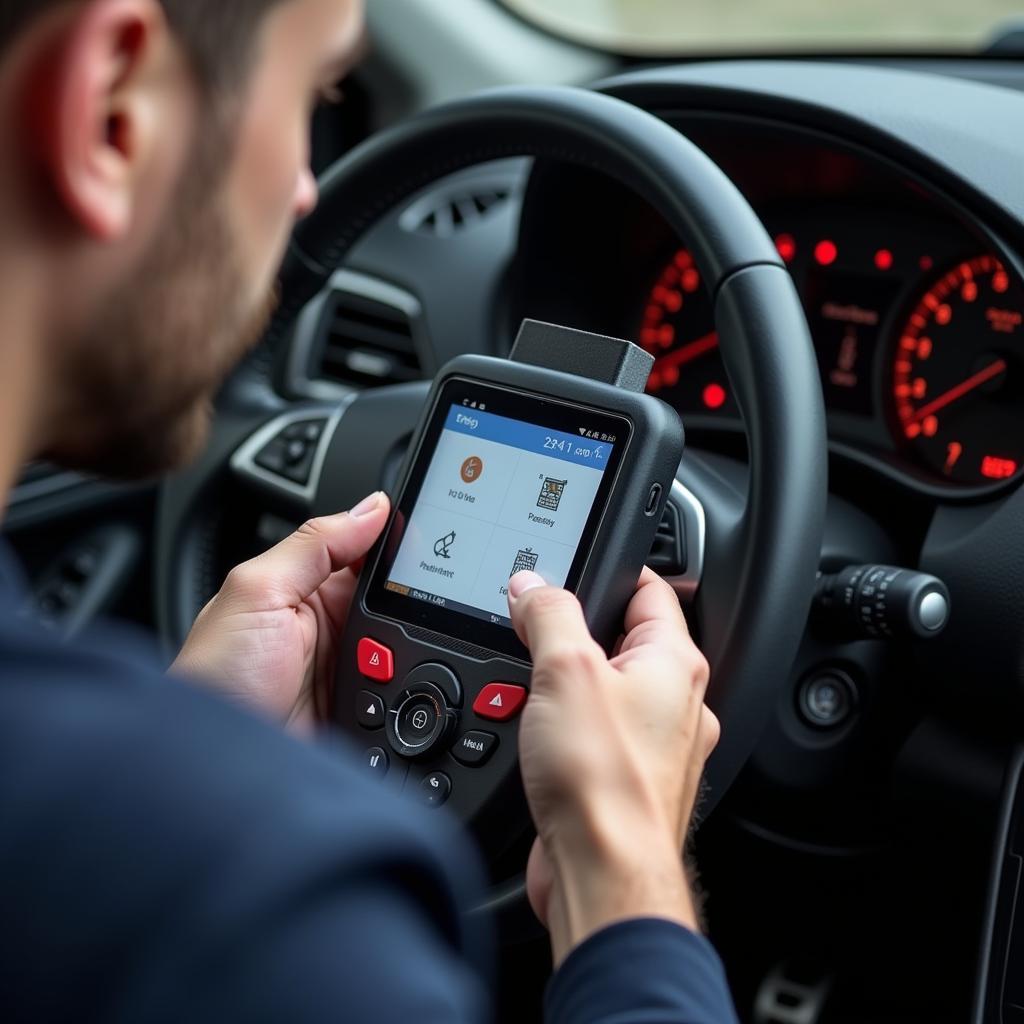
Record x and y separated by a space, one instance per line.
731 26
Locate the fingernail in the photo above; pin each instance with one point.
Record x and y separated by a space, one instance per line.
367 505
524 581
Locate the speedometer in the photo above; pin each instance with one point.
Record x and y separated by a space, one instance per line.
678 329
957 375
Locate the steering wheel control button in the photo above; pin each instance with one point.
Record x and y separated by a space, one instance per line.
499 701
377 761
375 661
474 748
272 457
307 430
369 710
420 722
295 452
291 453
440 676
827 699
435 789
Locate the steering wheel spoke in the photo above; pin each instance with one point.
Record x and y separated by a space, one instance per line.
284 459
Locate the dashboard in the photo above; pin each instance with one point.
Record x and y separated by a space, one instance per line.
917 318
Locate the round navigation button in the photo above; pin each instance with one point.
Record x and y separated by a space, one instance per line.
417 719
420 721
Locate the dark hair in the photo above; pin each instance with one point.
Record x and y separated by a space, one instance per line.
218 35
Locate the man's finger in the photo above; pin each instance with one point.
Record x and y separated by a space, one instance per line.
655 626
292 570
547 619
654 602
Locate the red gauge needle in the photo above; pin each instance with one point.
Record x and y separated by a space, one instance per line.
688 352
964 387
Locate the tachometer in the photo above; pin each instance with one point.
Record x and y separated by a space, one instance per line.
957 376
678 329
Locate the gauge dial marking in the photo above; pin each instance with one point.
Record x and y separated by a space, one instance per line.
677 328
692 350
957 374
965 387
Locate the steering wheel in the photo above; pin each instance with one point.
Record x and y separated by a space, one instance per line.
751 556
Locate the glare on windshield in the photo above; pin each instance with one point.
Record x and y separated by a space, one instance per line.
734 26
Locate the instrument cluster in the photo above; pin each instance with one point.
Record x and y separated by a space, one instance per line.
917 323
907 329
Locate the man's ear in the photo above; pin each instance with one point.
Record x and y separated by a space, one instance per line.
94 110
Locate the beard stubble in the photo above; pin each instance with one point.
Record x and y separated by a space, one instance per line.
144 374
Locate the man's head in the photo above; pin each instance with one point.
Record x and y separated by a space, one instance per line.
159 157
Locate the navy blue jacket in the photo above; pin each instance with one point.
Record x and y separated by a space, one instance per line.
166 857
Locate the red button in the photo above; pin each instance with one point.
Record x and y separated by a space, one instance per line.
375 660
499 701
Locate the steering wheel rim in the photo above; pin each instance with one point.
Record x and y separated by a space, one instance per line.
761 559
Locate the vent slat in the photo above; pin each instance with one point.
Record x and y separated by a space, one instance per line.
347 331
368 344
455 213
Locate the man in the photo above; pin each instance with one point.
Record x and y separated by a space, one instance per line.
164 854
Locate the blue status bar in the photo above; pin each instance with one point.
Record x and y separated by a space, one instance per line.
579 449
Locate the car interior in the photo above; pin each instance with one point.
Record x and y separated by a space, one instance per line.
846 531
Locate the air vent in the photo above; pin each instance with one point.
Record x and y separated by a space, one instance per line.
358 332
668 553
367 343
453 212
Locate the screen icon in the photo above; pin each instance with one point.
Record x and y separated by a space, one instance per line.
443 545
526 561
551 492
471 469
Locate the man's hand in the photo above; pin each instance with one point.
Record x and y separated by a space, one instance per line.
612 753
268 639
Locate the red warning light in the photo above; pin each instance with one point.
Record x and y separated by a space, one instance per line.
714 396
883 259
786 244
825 252
995 468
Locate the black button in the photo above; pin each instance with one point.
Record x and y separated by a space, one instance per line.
369 710
376 759
299 472
295 452
418 719
272 457
474 748
305 430
435 789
